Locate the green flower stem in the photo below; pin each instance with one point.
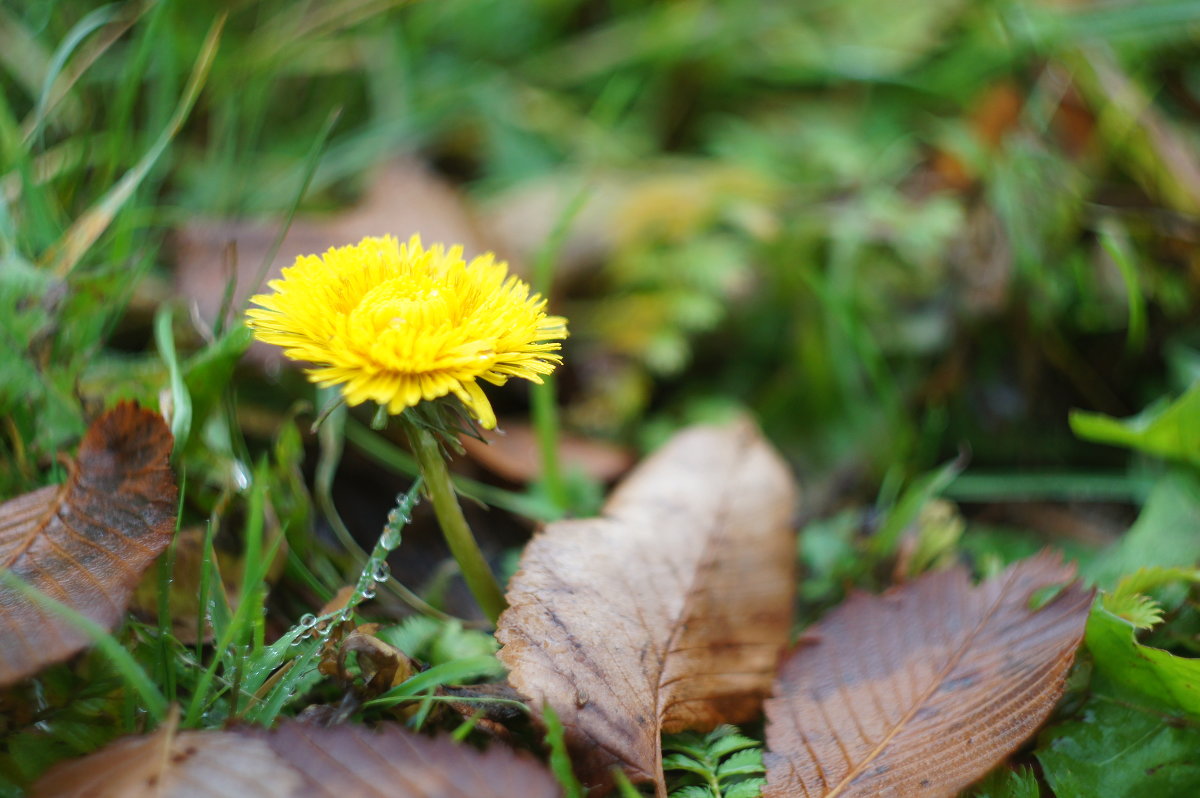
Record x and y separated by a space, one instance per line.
458 535
545 423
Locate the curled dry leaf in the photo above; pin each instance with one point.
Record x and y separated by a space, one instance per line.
85 543
924 689
297 761
381 665
668 612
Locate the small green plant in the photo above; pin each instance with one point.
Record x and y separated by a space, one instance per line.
721 764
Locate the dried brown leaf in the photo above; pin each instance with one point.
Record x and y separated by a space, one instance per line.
511 451
924 689
668 612
381 666
169 763
392 762
85 543
297 761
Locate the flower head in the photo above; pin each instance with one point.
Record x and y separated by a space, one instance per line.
398 324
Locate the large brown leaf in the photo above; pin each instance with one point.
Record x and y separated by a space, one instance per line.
85 543
171 763
297 761
922 690
668 612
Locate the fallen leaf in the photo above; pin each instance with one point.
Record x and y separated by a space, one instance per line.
87 542
381 666
511 451
922 690
666 613
353 762
297 761
172 763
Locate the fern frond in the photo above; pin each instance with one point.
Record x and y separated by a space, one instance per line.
721 764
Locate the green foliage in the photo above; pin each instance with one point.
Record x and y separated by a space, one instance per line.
721 764
560 759
1165 429
1163 534
438 642
1152 675
1136 731
905 509
1005 782
1120 750
78 717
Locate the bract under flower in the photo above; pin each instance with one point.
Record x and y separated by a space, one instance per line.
398 324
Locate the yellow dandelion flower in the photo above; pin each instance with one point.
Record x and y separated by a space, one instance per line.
398 324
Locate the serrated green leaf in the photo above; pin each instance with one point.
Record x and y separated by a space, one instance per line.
1008 783
1148 673
684 762
728 744
750 788
692 791
1119 751
437 642
686 743
413 635
748 762
1164 429
1140 610
721 731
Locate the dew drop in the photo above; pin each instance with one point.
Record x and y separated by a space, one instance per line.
308 621
368 593
241 475
382 572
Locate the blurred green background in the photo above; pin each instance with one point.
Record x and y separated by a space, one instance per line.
890 229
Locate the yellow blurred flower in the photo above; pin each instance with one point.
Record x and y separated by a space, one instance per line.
397 324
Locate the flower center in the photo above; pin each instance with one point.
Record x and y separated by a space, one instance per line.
399 304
